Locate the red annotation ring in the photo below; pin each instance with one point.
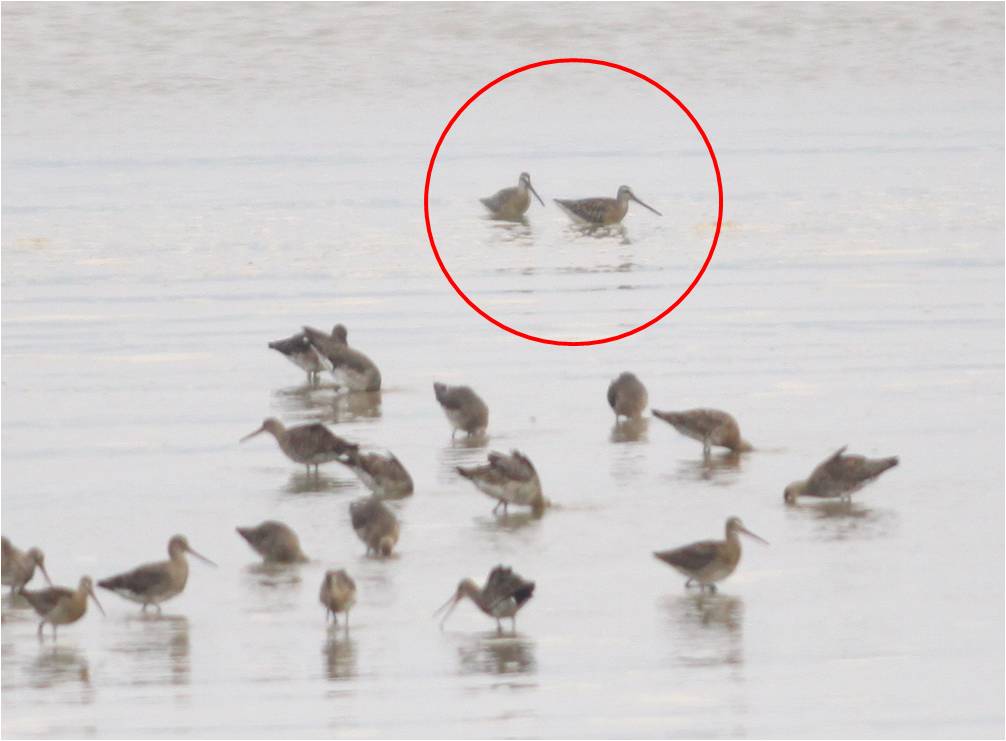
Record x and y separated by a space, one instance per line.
602 340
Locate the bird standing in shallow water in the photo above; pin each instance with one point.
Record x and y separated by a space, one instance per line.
627 396
511 203
503 595
709 561
61 606
375 524
602 211
839 477
351 368
509 479
708 426
274 541
385 476
311 444
153 583
18 567
299 351
463 407
338 594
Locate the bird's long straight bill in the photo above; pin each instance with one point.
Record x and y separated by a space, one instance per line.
752 535
531 188
45 573
249 436
95 598
644 205
449 606
201 557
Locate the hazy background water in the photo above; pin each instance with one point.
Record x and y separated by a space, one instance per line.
183 183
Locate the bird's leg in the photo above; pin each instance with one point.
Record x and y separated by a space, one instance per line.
158 609
706 447
712 589
499 503
40 626
144 607
499 626
347 622
688 583
454 434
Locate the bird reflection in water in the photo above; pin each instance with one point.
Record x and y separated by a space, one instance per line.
838 520
274 576
349 406
60 664
160 645
614 232
339 654
492 654
509 522
462 451
317 483
510 231
721 468
630 430
328 402
708 628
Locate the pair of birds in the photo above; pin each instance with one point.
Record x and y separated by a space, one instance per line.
838 476
511 204
314 444
313 351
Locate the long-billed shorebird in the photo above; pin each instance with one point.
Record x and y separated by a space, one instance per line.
502 596
627 396
383 475
299 351
338 594
61 606
708 426
839 477
274 541
311 444
709 561
351 368
18 567
375 525
511 203
602 211
509 479
463 407
153 583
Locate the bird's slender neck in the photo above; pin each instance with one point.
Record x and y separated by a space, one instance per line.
471 590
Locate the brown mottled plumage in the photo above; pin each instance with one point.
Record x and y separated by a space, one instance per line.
351 368
511 203
602 211
61 606
375 524
502 596
153 583
463 407
338 594
627 396
383 475
839 476
709 561
708 426
274 541
311 444
299 351
18 567
509 479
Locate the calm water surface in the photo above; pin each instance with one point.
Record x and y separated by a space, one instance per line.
183 184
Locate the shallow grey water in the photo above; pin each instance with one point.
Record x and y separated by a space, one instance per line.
182 185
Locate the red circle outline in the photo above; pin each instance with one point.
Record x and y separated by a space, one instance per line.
545 340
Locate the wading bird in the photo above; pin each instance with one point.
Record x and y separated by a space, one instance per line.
709 561
602 211
153 583
351 368
299 351
511 203
509 479
708 426
375 524
627 396
61 606
311 444
839 477
383 475
463 407
503 595
274 541
338 594
18 567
